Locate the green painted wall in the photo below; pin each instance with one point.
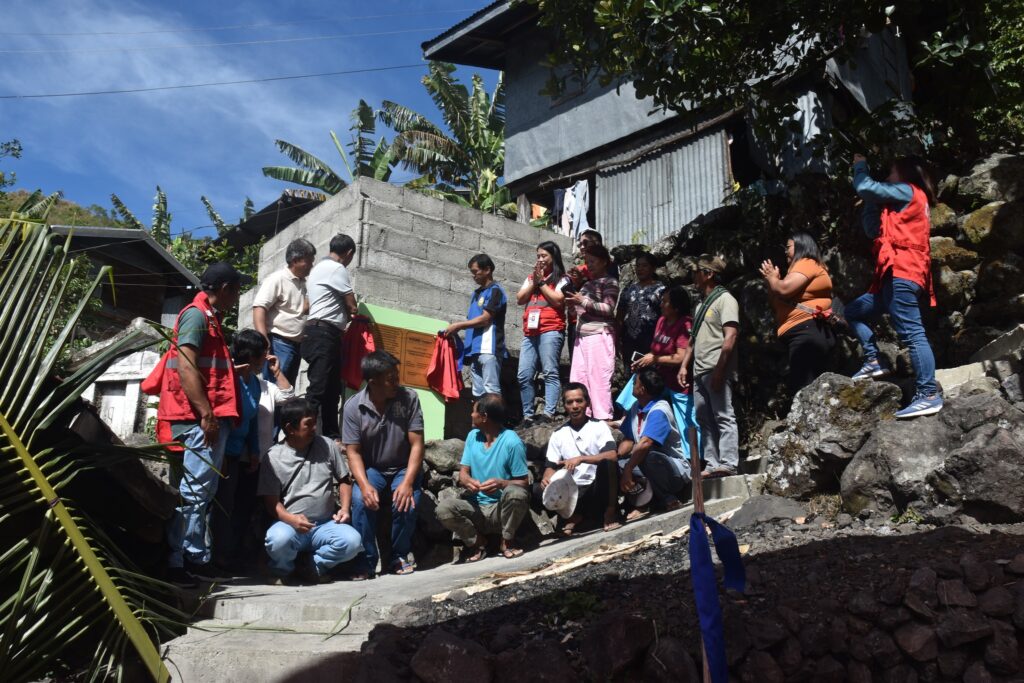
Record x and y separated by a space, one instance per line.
431 402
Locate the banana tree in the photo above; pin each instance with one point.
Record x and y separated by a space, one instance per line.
69 599
465 165
369 159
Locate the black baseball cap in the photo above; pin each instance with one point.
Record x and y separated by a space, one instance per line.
222 273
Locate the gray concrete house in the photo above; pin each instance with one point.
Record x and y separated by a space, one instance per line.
649 173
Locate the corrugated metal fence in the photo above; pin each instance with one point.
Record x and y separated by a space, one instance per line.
648 199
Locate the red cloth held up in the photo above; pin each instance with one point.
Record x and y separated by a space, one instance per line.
356 345
443 374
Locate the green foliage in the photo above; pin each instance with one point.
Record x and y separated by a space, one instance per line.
12 149
463 167
364 158
72 600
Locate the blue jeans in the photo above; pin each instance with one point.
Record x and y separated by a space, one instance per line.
547 348
901 299
188 530
486 372
331 543
287 353
403 524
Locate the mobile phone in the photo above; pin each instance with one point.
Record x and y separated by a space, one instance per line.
636 356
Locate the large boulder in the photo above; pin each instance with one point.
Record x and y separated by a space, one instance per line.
969 456
1001 276
954 289
829 422
946 252
943 220
444 455
536 437
1000 177
996 227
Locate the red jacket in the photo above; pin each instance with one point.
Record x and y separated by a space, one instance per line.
215 367
902 245
551 319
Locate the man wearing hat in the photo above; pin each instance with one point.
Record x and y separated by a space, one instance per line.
198 406
710 364
494 470
581 466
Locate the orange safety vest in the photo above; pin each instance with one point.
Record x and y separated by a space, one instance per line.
215 367
902 245
551 318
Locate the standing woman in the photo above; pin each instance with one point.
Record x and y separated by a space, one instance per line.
639 308
798 301
896 216
668 346
543 329
593 360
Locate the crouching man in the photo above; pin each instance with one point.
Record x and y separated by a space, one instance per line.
652 443
297 481
493 468
586 448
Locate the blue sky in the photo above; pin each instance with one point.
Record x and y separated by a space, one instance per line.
203 141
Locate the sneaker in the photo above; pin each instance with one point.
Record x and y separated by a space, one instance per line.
920 406
872 370
207 572
180 577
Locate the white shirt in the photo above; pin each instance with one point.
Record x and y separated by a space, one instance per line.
592 438
283 295
327 285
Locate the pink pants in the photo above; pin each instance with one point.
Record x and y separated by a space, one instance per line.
593 362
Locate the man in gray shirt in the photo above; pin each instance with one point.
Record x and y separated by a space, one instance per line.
332 303
297 481
383 437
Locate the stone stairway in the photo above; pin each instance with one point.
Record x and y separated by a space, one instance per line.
413 250
252 632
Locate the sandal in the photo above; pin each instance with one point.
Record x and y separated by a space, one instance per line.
481 553
570 525
611 522
637 514
511 552
401 567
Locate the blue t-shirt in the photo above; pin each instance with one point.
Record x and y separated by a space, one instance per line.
505 459
656 421
491 338
246 432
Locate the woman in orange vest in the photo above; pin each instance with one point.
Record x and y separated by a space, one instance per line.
896 217
543 329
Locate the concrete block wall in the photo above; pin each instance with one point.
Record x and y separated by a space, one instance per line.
412 250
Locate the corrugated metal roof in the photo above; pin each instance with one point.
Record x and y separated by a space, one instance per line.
647 199
426 45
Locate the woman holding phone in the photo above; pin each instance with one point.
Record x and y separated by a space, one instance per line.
543 330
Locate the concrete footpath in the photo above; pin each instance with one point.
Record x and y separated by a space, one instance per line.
254 632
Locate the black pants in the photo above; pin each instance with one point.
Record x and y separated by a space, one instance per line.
321 349
628 346
809 344
594 498
231 515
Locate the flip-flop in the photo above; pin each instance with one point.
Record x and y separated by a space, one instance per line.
480 554
636 515
512 553
612 526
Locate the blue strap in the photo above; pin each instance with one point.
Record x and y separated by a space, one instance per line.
705 586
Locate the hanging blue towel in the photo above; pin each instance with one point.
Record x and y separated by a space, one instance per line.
705 586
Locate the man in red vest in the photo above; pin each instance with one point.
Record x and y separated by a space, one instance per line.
199 404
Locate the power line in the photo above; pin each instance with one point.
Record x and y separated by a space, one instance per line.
210 84
275 24
147 48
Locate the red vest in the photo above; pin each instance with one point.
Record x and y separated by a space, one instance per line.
551 319
902 245
215 367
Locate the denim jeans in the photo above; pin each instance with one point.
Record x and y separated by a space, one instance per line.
188 530
403 524
668 476
546 348
486 372
331 543
287 353
901 299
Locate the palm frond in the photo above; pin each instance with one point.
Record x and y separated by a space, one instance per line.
343 154
37 206
496 116
326 183
125 213
215 217
401 119
248 209
161 227
304 158
68 588
450 96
